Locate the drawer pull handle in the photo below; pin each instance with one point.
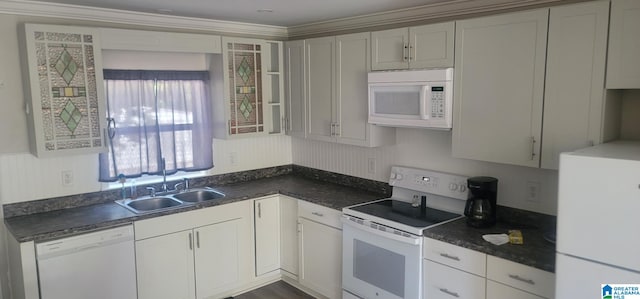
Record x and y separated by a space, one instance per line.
450 293
318 214
525 280
451 257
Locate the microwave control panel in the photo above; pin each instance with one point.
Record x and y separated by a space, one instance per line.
438 107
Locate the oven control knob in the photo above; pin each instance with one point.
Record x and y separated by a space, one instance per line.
453 186
399 176
463 188
393 175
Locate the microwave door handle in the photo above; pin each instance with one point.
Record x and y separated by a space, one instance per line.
425 96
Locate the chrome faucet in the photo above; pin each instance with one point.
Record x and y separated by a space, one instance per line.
164 187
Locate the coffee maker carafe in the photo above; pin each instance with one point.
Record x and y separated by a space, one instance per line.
481 205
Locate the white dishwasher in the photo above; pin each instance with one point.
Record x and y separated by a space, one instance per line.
99 265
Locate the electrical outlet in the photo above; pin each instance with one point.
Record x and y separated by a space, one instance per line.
371 165
533 191
67 178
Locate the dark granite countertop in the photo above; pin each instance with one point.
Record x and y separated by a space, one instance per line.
535 252
61 217
66 222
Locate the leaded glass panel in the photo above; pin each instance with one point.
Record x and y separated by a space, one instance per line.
67 106
245 88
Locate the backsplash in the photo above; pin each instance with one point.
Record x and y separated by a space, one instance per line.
26 178
93 198
429 149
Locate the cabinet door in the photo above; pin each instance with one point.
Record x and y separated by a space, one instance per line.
289 234
164 267
352 65
66 100
243 65
432 45
320 78
320 258
294 89
389 49
574 89
222 255
623 68
443 282
499 291
498 90
267 231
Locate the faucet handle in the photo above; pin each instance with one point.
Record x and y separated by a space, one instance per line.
177 185
152 190
186 183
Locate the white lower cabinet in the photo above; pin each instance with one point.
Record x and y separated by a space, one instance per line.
159 256
200 254
525 278
289 235
320 249
267 231
444 282
453 272
499 291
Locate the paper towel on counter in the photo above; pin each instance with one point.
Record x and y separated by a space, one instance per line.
496 239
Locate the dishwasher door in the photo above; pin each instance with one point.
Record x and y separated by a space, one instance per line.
98 265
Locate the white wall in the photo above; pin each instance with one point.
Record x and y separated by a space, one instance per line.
429 149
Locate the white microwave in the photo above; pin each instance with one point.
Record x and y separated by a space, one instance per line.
418 99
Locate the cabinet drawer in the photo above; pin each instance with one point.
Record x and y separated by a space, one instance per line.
443 282
455 256
499 291
520 276
318 213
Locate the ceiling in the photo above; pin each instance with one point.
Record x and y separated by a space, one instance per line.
270 12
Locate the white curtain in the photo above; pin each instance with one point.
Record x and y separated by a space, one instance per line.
155 115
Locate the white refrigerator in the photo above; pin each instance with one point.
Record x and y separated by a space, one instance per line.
598 233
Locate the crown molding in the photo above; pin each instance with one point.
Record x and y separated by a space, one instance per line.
449 9
76 12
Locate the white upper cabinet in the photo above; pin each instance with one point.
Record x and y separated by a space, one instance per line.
574 91
499 85
294 88
64 90
319 87
427 46
336 91
623 69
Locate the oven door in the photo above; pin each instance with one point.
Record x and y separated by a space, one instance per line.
380 264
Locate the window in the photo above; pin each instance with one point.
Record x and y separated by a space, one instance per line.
155 115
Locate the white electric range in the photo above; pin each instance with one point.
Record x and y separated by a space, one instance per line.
382 240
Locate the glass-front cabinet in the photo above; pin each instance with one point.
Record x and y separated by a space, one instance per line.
252 86
65 97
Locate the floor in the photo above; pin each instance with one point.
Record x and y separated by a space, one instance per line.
276 290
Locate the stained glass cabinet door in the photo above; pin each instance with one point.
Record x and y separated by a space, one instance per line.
250 87
65 92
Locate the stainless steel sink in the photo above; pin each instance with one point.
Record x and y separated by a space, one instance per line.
199 195
170 201
150 204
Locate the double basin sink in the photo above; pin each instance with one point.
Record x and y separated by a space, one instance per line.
156 203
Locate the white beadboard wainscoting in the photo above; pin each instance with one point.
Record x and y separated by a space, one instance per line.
23 177
429 149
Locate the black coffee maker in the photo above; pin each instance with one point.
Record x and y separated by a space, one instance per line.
481 205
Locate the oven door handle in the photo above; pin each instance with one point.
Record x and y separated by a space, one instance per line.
387 235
